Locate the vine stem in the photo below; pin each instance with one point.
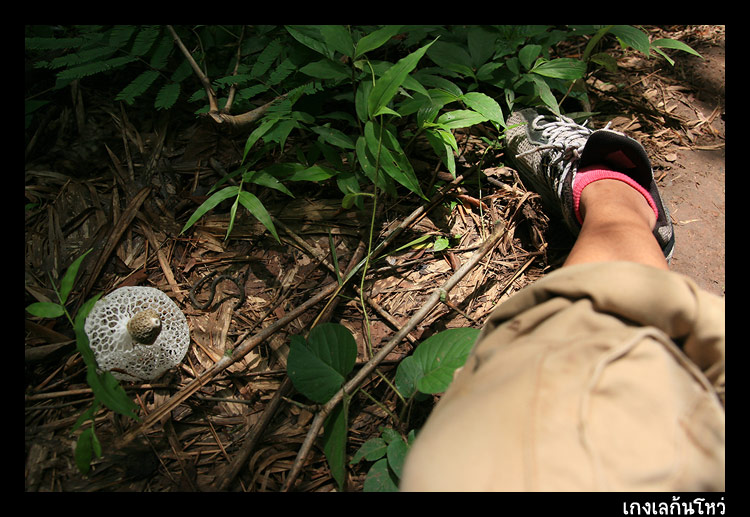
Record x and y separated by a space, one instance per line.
352 385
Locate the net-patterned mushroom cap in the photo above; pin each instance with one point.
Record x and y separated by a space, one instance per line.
117 351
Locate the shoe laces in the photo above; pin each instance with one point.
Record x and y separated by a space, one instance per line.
565 140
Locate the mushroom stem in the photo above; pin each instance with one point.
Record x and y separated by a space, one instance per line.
145 326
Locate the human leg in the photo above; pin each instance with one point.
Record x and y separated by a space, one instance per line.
607 374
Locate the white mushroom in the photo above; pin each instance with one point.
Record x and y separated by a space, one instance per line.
137 333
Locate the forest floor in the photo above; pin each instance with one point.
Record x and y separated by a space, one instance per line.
84 174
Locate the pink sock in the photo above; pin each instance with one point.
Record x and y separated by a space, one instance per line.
593 173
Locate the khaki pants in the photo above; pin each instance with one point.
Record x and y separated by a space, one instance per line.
598 377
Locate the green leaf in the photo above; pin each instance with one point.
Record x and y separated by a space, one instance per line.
561 68
266 180
144 40
334 137
68 279
460 118
255 207
630 36
266 58
318 367
84 450
674 44
528 54
338 38
209 204
373 449
334 443
396 453
82 340
387 85
380 479
167 96
325 69
313 173
545 94
452 57
430 368
46 309
486 105
110 393
375 39
311 37
139 85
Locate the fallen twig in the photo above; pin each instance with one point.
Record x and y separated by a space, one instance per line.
243 349
351 386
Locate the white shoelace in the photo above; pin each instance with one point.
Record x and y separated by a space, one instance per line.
566 139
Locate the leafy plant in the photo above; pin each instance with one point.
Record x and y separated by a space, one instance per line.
106 389
388 451
318 367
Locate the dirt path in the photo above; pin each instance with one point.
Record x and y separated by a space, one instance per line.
695 189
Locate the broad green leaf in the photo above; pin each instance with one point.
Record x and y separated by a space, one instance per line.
209 204
325 69
82 340
46 309
486 105
481 44
334 137
430 368
318 366
257 133
674 44
107 390
460 118
265 179
334 443
451 56
84 450
338 38
528 54
375 39
311 376
387 85
604 59
255 207
373 449
392 158
396 454
561 68
311 37
335 345
66 284
545 93
380 479
630 36
313 173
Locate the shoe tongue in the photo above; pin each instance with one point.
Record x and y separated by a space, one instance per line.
619 152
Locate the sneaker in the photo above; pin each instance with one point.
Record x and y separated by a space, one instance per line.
548 150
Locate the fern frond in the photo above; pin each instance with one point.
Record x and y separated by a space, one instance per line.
232 79
161 54
266 58
139 85
167 96
120 35
53 43
252 91
144 40
82 57
94 68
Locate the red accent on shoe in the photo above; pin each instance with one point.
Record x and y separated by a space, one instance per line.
593 173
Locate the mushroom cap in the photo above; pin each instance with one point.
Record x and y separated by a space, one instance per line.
114 348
